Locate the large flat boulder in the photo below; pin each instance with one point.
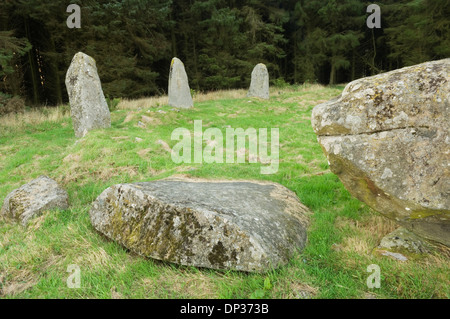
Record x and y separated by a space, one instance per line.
88 106
240 225
387 138
32 199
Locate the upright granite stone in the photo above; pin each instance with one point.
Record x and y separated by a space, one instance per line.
387 138
31 199
179 91
240 225
88 106
259 86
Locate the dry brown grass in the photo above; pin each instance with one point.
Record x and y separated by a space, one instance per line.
71 158
158 101
155 101
301 88
220 95
294 289
81 173
365 234
143 153
96 258
164 145
18 278
54 114
115 294
151 120
207 96
357 244
22 281
295 285
369 224
35 116
179 284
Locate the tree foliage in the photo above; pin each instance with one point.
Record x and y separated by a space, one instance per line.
220 41
11 51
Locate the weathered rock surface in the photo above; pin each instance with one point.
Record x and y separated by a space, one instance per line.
403 245
88 106
259 86
387 138
32 199
241 225
402 240
179 90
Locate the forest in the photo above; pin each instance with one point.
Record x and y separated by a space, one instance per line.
219 41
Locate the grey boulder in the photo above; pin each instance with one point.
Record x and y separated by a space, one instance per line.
88 106
32 199
259 86
387 138
239 225
179 91
402 240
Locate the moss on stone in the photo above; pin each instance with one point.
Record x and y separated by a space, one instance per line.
182 223
219 256
420 214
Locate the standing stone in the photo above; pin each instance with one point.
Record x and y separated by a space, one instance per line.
179 91
31 199
387 137
259 87
88 106
240 225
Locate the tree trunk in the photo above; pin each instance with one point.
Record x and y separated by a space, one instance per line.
374 53
58 89
295 60
353 65
197 73
332 74
174 42
32 62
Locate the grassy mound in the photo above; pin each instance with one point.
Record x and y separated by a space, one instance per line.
34 260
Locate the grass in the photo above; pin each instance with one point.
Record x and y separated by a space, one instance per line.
34 260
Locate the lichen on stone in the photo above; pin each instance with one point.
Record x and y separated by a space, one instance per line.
244 227
384 137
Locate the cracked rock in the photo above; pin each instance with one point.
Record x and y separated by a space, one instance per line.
179 90
402 240
259 85
88 106
32 199
239 225
387 138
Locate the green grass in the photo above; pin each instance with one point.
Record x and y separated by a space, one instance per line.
343 232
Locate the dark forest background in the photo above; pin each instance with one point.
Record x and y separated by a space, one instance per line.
220 41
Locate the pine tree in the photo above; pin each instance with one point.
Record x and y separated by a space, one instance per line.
418 31
220 41
11 50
